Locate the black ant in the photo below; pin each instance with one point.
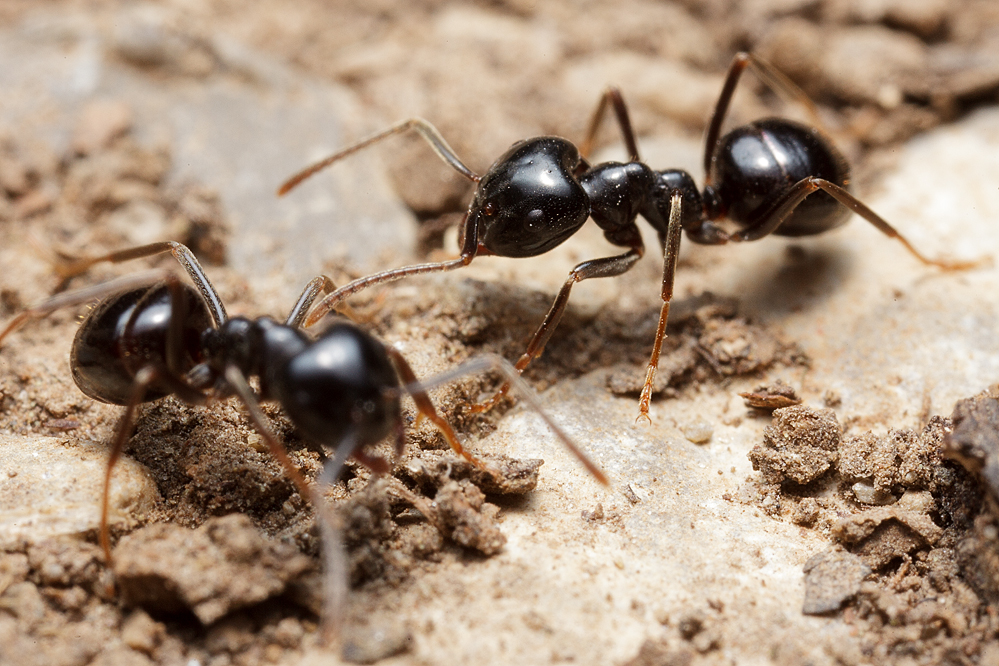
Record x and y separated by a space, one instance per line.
542 190
151 335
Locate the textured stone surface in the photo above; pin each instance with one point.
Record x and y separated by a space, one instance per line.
49 487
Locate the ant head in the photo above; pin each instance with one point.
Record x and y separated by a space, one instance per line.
340 387
530 200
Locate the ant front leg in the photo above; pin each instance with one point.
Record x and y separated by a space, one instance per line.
596 268
237 381
470 248
671 250
782 209
317 285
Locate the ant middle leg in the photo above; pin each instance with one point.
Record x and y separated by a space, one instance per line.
613 96
771 220
671 250
595 268
499 364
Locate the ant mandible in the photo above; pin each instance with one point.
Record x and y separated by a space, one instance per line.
542 190
151 335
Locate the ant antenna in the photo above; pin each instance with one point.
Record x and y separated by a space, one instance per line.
422 127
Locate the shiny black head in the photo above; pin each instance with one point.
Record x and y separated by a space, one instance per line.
340 388
530 200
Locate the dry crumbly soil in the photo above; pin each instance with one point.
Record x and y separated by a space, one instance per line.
888 513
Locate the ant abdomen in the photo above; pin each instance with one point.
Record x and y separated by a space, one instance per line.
128 331
755 165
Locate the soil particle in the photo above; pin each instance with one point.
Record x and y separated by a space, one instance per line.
831 579
368 645
769 397
660 653
699 631
807 512
883 534
800 445
503 476
223 565
68 563
899 460
467 518
698 432
978 556
141 632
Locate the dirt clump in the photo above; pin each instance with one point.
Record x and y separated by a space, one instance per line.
706 340
831 579
800 445
223 565
913 559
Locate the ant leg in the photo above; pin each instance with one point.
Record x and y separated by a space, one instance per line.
595 268
234 377
318 285
335 574
772 77
671 245
144 378
81 296
180 252
427 409
501 365
612 95
772 219
422 127
469 250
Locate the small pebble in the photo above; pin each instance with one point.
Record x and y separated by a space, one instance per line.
698 432
866 493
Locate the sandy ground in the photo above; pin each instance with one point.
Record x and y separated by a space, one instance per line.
837 532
